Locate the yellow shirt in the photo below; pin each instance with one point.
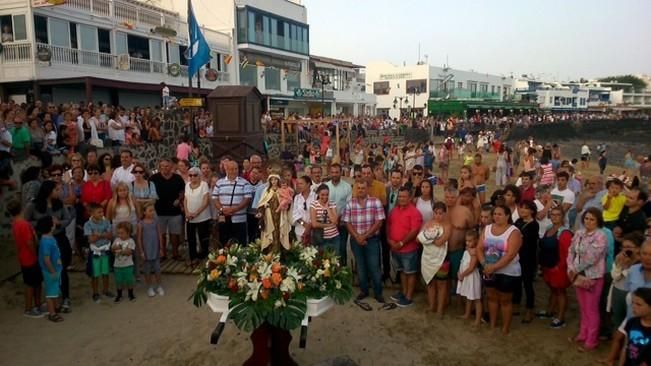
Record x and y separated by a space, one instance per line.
615 207
377 190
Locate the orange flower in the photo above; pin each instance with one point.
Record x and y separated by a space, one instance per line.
276 267
253 276
266 282
220 260
276 278
268 258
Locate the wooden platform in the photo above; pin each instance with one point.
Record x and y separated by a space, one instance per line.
168 266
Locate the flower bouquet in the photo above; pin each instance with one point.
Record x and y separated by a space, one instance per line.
272 288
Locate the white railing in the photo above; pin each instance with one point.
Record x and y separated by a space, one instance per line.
123 10
75 57
14 53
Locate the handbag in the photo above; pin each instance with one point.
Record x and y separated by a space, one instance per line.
228 219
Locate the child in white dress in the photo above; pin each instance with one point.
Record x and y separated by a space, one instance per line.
469 280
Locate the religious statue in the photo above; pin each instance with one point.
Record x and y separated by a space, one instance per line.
274 212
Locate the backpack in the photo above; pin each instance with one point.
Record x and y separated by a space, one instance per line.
549 251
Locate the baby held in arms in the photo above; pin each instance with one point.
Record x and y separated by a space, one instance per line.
285 196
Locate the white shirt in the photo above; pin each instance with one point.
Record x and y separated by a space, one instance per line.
5 135
122 175
585 150
301 211
122 261
544 223
166 91
114 133
194 199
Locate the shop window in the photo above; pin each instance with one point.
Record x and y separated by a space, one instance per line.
381 88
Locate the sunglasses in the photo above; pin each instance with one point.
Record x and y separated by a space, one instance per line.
138 172
193 175
107 159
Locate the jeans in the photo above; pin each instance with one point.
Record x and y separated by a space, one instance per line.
203 229
66 257
367 258
331 244
588 300
343 245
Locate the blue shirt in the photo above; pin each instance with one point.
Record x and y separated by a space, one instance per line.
47 247
259 190
634 281
91 227
340 194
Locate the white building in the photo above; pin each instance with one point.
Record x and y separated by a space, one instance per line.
570 96
401 90
273 44
114 51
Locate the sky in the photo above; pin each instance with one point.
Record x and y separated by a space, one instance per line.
551 39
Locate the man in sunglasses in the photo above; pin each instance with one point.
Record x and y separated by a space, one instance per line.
417 176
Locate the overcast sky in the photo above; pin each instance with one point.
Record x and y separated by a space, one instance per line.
553 39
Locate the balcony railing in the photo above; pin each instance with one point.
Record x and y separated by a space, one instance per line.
71 56
15 53
464 94
122 10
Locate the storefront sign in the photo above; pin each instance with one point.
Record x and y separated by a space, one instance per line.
190 102
211 74
307 93
402 75
278 102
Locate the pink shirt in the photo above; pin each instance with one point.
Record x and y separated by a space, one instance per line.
588 253
183 151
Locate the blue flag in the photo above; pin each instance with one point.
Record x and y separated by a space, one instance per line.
198 51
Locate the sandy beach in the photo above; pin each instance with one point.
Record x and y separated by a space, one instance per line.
169 330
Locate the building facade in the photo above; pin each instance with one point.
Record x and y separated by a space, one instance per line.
112 51
571 96
406 90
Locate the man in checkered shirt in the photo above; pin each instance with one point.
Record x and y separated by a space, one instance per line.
363 217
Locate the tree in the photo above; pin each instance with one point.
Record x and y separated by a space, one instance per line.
637 83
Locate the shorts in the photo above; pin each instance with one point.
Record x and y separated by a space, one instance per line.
52 284
151 266
455 262
100 265
443 165
173 224
585 157
124 277
502 282
444 272
406 262
32 276
481 188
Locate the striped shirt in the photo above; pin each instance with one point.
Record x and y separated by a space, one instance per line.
322 217
363 217
547 175
229 195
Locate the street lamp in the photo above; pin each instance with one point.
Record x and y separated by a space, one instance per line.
414 92
401 99
323 79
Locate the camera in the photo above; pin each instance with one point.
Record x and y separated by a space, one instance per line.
628 253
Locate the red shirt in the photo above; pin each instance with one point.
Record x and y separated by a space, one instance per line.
23 235
401 221
528 194
91 193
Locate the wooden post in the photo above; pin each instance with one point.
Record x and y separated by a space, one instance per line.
282 134
338 148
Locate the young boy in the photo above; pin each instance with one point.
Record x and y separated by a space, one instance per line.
613 202
123 248
27 253
98 231
49 259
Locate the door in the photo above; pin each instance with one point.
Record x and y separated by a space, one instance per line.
88 45
156 55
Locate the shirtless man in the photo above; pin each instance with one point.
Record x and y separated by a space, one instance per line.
461 218
480 174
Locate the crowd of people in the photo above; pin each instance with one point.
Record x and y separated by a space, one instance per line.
381 202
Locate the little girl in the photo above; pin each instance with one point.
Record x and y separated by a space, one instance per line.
123 248
150 238
286 196
638 330
469 283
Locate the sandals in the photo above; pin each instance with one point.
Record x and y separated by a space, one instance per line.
364 306
55 318
388 306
